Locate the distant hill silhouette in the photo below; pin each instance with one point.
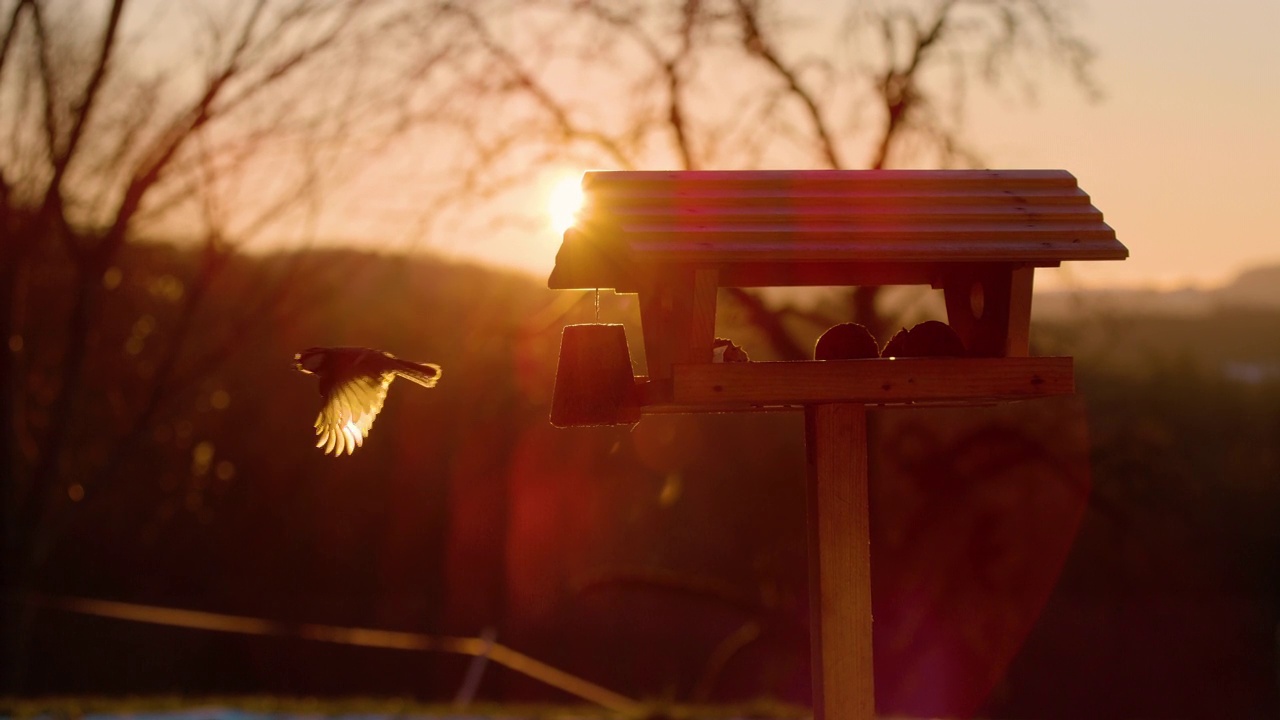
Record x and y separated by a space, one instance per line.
1256 288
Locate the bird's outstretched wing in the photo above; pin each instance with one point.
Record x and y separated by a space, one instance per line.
424 374
348 412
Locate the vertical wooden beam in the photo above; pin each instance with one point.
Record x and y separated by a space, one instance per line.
678 316
839 562
1017 339
701 329
965 295
990 308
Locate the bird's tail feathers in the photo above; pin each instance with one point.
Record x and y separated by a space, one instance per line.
424 374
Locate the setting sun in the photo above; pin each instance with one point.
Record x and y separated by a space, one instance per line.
564 202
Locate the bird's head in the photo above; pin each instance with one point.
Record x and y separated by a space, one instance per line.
310 361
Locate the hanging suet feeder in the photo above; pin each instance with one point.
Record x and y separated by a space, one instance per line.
594 380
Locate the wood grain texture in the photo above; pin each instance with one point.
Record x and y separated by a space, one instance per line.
700 331
870 382
678 318
839 562
1018 333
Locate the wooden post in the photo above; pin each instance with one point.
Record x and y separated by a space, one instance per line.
678 317
991 310
1017 340
839 562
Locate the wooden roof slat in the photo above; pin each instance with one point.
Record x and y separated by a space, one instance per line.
620 200
862 217
656 232
816 180
948 251
635 219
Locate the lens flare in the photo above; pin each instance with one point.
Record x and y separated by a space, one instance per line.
565 202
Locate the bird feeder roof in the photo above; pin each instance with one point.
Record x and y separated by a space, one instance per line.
760 227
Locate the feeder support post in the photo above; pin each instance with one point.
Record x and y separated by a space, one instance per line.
839 538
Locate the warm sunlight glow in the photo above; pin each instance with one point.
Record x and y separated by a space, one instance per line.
565 202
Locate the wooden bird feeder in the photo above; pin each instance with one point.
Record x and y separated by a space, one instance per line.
676 237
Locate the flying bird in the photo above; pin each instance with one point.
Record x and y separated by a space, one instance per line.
353 383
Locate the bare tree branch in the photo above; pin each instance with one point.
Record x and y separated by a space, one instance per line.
754 41
11 31
62 157
207 109
49 88
171 141
898 86
669 67
569 131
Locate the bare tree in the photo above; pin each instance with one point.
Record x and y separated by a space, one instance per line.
121 121
742 84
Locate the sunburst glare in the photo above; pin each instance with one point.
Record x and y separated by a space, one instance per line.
564 202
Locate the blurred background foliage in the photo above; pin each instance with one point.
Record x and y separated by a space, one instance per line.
1068 571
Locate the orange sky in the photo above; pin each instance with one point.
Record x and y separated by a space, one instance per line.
1183 154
